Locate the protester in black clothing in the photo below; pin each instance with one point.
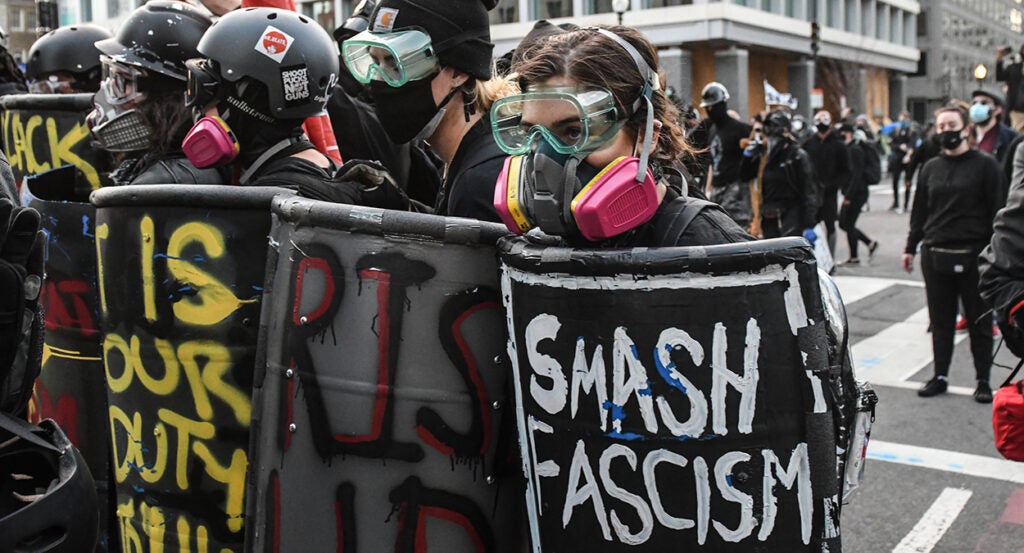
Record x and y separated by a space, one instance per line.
614 68
66 60
436 88
12 80
958 195
139 115
1010 70
351 110
724 136
901 145
855 194
1001 264
785 175
832 166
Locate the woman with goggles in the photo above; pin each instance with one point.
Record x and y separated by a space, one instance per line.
428 67
138 113
592 121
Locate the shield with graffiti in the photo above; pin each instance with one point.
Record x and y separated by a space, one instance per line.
42 132
181 272
673 399
71 387
383 408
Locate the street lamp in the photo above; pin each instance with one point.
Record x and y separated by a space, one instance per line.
980 72
620 7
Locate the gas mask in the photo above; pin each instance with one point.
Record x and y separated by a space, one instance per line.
116 128
210 143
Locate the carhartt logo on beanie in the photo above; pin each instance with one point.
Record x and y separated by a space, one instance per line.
459 30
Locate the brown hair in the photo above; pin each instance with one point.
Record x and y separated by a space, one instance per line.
954 107
592 59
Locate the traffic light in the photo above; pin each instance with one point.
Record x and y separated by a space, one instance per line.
815 37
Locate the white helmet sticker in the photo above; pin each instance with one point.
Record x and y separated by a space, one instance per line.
274 43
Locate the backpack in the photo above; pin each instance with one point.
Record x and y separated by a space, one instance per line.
1008 417
872 164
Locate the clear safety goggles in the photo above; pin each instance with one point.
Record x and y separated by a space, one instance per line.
395 58
571 120
52 85
121 83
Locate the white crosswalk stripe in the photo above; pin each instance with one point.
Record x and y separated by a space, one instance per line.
933 525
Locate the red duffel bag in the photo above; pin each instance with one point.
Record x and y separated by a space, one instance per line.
1008 417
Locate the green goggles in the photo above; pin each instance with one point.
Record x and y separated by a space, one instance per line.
569 119
395 58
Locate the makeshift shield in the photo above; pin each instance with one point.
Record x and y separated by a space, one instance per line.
383 418
181 272
45 131
673 399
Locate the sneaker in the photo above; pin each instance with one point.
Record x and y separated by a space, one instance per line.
893 207
851 261
961 324
871 249
933 387
983 393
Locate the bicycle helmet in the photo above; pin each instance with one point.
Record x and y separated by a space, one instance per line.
47 495
713 93
68 49
158 37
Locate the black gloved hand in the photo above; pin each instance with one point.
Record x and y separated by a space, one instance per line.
21 278
377 188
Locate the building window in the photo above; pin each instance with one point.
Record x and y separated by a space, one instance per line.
507 11
1016 20
922 66
549 9
667 3
14 20
599 6
922 24
321 11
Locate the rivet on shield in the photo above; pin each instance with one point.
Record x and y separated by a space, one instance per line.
497 359
147 238
496 405
292 427
289 373
303 320
490 479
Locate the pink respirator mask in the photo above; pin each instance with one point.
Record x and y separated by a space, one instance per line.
210 143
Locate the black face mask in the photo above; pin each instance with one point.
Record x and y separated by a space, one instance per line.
406 110
822 127
951 140
718 112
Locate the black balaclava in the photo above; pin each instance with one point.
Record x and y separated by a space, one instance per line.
244 107
718 113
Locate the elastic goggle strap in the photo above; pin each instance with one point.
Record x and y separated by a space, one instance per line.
651 84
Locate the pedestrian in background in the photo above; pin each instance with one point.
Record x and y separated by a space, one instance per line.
991 136
1010 70
855 194
901 145
724 135
958 195
832 167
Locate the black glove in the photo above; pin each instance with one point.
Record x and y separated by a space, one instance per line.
21 325
376 186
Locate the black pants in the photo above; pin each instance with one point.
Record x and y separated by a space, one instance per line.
942 289
897 170
848 215
779 220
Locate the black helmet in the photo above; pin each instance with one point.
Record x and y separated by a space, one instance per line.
777 119
69 49
357 22
158 36
713 93
287 52
40 461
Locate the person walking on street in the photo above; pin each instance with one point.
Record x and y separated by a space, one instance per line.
725 134
786 178
855 194
901 144
990 134
832 165
958 195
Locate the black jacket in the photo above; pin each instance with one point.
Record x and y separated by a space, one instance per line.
831 159
672 225
1011 71
468 188
175 169
956 201
856 189
1001 264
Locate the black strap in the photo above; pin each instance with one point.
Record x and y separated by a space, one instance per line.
685 217
1013 373
22 429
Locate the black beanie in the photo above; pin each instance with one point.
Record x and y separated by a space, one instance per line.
459 30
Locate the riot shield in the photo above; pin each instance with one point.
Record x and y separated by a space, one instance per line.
71 388
45 131
673 399
382 414
181 272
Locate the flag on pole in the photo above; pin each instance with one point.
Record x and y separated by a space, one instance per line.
773 97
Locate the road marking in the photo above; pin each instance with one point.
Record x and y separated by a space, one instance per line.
948 461
1014 513
853 288
897 353
936 520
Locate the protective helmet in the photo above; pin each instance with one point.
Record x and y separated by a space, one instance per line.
713 93
70 49
47 495
777 119
459 30
357 22
287 52
159 36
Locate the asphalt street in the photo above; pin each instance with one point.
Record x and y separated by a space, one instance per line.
934 481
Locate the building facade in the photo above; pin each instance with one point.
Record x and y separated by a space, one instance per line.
955 36
18 18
